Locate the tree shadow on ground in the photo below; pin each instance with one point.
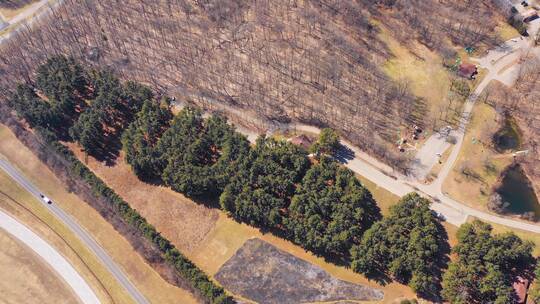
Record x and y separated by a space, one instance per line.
380 277
207 200
344 154
109 149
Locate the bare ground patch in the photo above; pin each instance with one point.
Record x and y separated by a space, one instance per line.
275 276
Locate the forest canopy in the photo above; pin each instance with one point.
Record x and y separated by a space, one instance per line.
314 202
486 266
407 245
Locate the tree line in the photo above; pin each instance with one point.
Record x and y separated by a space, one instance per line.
486 265
28 99
273 184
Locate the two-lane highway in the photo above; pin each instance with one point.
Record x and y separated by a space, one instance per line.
84 236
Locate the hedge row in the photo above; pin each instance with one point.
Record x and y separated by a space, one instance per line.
198 279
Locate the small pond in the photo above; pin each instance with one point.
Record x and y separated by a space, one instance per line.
516 189
508 137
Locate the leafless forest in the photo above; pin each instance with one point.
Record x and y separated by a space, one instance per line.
522 102
311 61
14 3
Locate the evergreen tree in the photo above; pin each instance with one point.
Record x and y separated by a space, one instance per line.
136 95
261 190
201 165
35 111
331 209
405 245
486 265
328 143
140 138
59 76
88 131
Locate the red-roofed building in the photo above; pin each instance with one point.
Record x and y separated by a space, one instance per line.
302 140
468 70
520 288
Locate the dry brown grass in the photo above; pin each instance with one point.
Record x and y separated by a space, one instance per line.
20 204
506 31
176 214
26 278
228 236
475 154
422 70
207 236
171 212
385 199
146 279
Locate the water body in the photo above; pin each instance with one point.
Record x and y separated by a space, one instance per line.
517 190
508 137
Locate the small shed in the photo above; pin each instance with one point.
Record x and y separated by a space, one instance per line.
520 288
302 140
468 70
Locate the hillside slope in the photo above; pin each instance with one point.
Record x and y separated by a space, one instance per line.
313 61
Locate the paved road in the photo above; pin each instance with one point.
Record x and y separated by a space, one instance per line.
84 236
503 65
50 256
34 8
427 156
29 16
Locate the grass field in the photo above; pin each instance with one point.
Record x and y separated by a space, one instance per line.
17 202
211 238
26 278
158 204
32 213
506 31
206 235
479 158
384 198
422 70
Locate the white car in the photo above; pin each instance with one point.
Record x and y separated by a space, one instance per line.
438 215
45 199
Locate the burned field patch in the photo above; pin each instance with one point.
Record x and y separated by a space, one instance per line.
265 274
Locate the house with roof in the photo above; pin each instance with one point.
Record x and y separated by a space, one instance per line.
467 70
302 140
521 285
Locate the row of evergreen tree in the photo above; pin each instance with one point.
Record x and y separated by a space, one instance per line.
67 98
273 184
316 203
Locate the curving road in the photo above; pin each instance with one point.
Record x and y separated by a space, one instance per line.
84 236
50 256
28 17
503 64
